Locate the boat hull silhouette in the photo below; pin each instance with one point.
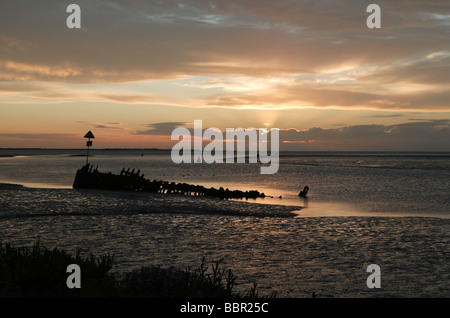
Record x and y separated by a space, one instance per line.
89 178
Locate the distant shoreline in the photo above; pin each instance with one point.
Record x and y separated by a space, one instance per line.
84 149
281 151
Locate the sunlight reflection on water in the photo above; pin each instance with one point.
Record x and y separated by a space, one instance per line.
320 248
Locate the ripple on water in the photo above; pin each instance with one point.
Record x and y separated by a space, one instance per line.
293 255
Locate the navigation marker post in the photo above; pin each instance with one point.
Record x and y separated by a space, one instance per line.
89 135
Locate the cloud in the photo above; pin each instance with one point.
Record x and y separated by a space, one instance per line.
48 136
112 125
431 135
164 128
393 115
29 71
431 69
403 65
338 95
421 135
13 87
161 39
129 99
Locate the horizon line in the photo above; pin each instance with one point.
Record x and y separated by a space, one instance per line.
169 149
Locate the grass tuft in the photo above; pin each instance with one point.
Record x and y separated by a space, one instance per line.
40 272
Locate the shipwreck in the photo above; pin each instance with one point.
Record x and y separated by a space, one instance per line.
89 177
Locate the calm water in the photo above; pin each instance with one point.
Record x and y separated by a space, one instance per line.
392 209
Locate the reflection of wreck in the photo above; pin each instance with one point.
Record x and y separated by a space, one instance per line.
89 178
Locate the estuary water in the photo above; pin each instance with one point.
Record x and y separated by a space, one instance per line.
390 209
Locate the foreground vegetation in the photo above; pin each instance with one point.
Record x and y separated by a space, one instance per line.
41 272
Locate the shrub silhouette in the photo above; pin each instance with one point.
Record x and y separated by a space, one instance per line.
40 272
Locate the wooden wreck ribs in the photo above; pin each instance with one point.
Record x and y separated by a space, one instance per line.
89 178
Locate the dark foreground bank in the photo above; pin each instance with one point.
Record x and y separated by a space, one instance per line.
34 279
36 272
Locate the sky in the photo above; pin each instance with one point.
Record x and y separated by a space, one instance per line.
136 70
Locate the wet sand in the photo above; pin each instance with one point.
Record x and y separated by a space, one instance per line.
294 256
293 251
